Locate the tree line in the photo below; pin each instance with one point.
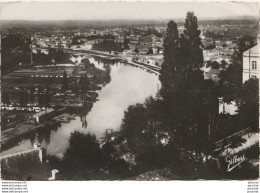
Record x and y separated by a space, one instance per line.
183 120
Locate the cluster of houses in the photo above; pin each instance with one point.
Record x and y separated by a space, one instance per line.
142 47
218 50
55 41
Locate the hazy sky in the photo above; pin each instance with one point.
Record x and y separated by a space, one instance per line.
122 10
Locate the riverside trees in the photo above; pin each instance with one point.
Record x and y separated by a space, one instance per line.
189 99
181 123
86 159
158 131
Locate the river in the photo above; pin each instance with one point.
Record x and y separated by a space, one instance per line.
129 85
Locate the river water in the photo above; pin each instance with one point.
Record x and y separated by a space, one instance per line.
129 85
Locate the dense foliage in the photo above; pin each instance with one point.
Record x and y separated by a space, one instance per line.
165 129
178 127
85 159
15 52
110 45
54 56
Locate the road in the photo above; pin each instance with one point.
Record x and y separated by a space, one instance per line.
149 68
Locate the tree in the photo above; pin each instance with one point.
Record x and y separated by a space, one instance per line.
245 43
65 81
191 108
210 47
84 86
15 50
191 32
161 128
47 98
143 128
171 65
83 155
5 98
150 51
31 96
40 97
233 74
26 98
213 64
21 98
228 91
248 104
126 41
223 64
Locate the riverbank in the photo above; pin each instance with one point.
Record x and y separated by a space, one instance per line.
14 136
149 68
120 81
18 122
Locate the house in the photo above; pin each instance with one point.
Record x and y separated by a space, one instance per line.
88 45
120 39
208 42
251 63
155 50
98 41
210 54
44 115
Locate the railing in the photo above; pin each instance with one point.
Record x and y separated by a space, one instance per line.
229 139
41 154
18 154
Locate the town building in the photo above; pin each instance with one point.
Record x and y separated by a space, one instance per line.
44 115
251 62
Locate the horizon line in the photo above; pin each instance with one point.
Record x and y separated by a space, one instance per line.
145 19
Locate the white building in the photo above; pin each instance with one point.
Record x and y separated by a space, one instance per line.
43 115
251 63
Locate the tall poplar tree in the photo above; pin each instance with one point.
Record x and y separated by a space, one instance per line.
192 34
171 61
199 102
186 95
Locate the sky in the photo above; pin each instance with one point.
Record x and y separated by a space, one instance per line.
123 10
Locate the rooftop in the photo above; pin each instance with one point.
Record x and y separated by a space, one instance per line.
254 51
44 112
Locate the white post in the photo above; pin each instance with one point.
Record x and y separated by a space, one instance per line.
42 154
53 174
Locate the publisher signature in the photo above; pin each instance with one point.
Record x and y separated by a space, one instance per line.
234 161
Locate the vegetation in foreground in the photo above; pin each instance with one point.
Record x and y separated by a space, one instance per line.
172 130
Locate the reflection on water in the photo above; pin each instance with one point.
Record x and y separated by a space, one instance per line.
129 85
